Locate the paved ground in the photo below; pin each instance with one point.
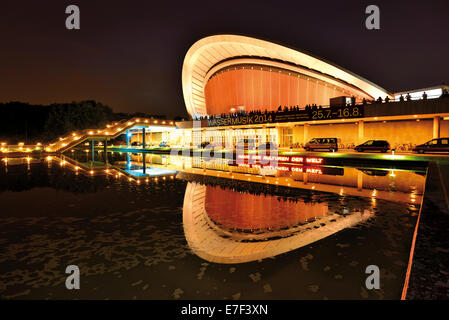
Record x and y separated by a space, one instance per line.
429 277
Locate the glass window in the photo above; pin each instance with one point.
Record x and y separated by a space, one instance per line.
445 141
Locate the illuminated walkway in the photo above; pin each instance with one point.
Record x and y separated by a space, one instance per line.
110 132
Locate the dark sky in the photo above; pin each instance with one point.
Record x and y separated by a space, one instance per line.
129 54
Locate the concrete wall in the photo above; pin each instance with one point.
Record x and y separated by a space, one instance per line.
395 132
399 132
444 128
298 134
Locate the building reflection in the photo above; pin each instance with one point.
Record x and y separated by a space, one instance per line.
234 215
254 227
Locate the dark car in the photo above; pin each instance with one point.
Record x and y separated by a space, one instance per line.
322 143
380 173
204 144
434 145
373 145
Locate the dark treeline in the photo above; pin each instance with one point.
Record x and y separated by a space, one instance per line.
42 123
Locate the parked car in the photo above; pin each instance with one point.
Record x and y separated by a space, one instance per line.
330 144
203 144
434 145
210 145
373 145
380 173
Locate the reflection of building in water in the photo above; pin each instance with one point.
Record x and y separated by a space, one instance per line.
235 210
217 243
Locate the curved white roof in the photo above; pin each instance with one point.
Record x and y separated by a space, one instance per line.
210 51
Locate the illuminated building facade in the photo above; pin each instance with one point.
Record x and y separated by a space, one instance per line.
226 74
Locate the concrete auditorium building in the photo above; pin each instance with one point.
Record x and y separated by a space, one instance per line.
240 87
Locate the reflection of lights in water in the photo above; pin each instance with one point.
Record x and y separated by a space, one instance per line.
392 174
341 191
413 196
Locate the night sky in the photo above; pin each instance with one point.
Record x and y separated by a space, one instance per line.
129 54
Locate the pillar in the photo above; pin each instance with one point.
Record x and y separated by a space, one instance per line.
361 131
143 138
306 133
436 127
105 150
144 163
359 180
128 160
92 147
127 138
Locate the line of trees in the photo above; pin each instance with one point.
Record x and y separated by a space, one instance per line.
29 123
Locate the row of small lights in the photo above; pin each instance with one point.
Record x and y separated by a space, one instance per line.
373 194
138 181
107 171
92 132
5 147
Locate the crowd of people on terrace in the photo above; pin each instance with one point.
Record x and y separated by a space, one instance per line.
311 107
